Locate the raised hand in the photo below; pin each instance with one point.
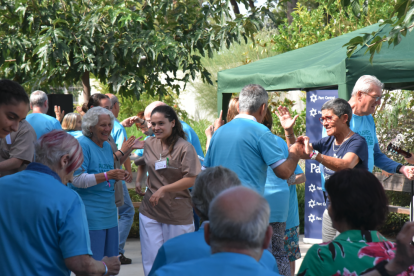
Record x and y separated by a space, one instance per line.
128 122
285 118
127 145
209 131
59 114
138 144
219 122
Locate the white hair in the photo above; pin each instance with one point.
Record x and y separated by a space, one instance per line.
245 230
38 98
91 119
114 99
364 84
252 97
208 184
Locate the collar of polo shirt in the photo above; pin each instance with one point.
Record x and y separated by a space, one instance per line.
245 116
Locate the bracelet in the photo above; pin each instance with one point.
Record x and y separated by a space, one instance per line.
380 267
106 268
290 135
123 154
397 170
107 180
116 157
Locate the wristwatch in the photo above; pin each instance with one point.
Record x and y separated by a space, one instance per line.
397 170
314 154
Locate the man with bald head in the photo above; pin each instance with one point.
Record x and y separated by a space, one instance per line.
238 232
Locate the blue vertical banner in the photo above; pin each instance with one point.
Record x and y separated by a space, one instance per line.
314 200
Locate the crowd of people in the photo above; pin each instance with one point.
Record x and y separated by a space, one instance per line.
65 206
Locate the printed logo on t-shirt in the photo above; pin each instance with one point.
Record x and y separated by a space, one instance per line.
368 136
105 167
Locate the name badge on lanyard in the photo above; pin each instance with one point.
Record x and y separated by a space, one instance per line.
161 164
8 139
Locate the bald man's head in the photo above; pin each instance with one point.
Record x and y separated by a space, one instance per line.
115 104
239 218
149 109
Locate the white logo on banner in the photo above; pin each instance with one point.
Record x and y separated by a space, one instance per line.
312 218
316 168
313 98
313 203
312 188
313 112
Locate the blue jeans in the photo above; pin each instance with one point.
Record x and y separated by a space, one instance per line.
104 242
126 218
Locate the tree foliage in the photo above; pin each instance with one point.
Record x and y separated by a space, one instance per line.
132 46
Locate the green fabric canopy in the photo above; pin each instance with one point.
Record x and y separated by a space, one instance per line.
324 65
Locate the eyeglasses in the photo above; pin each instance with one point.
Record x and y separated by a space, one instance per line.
327 118
377 98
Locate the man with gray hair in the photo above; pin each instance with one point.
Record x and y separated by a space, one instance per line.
238 233
39 120
247 147
192 246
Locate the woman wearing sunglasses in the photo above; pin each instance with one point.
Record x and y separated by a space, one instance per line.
341 149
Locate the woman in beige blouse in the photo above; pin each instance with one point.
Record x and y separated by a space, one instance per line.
172 165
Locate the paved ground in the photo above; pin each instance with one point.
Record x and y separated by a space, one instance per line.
133 251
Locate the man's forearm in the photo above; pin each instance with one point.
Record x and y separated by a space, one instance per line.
383 162
287 168
10 164
85 265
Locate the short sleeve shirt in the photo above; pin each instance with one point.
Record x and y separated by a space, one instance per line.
193 139
173 208
42 223
119 134
99 200
353 252
19 144
43 123
247 148
355 144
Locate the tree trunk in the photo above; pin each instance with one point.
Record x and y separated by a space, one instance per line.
86 87
251 4
290 6
235 6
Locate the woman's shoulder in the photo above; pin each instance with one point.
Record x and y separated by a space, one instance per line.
182 143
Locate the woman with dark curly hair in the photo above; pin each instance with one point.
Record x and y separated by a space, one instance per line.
172 165
358 207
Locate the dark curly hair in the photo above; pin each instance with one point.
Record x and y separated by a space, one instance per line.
268 119
177 130
357 197
95 100
12 93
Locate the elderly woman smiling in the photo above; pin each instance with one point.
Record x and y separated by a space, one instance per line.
94 182
342 149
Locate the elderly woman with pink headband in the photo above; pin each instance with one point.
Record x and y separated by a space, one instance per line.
43 222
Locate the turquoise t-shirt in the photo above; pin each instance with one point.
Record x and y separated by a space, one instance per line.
293 214
247 148
119 134
43 123
193 139
42 223
99 200
75 133
277 191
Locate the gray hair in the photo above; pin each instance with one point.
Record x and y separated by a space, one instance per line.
339 107
364 84
38 98
114 99
91 119
252 97
238 228
208 184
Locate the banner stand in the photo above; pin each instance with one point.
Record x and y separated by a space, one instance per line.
314 199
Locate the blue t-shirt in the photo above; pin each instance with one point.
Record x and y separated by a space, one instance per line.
355 144
43 123
193 139
42 223
75 133
119 134
293 214
277 190
247 148
218 264
99 200
192 246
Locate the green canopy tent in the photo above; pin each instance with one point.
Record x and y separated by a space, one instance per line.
323 65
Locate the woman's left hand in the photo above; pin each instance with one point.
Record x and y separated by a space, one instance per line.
128 177
156 196
286 120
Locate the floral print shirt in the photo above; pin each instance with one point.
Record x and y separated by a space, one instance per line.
352 253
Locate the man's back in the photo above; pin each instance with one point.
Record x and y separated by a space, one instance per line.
218 264
42 123
245 147
193 139
42 223
192 246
